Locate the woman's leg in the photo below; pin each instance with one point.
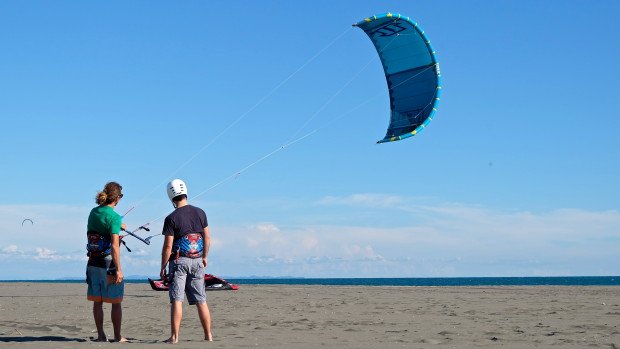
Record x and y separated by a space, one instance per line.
98 315
117 318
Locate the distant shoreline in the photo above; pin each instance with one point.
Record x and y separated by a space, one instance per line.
448 281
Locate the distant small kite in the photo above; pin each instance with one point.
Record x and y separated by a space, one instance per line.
27 219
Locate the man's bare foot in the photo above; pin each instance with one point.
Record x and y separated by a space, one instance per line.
171 340
209 338
100 339
121 340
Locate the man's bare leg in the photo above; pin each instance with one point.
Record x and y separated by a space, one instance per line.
205 320
98 315
176 314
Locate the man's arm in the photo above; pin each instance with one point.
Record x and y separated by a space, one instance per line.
207 244
166 250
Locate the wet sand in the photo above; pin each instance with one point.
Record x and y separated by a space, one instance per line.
38 315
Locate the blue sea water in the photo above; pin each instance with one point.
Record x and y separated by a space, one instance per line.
454 281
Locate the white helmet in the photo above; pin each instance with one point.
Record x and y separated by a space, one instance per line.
176 187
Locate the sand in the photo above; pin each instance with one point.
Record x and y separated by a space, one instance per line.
38 315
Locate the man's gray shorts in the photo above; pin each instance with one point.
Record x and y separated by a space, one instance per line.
188 277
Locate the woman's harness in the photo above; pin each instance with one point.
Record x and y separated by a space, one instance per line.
98 245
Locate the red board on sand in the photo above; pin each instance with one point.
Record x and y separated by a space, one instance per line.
212 283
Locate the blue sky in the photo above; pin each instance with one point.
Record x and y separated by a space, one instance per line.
517 175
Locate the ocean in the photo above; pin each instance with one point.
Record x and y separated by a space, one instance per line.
451 281
455 281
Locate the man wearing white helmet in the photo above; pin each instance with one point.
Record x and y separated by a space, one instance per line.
186 246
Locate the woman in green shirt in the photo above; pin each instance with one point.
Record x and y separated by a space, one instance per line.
104 275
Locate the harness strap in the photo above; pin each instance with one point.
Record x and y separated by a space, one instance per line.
99 245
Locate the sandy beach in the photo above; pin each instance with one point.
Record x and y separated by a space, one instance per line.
48 315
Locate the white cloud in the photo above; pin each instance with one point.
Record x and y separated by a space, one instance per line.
367 199
265 236
309 242
11 250
38 254
398 236
438 239
267 228
45 253
252 242
359 252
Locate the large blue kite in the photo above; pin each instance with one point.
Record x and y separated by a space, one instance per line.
411 71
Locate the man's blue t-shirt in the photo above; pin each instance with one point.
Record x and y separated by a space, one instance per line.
185 220
187 225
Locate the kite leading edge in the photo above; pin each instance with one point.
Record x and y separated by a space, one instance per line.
411 71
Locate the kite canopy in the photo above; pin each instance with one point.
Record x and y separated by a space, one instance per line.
411 71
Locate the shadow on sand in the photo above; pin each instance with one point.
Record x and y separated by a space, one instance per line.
41 339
